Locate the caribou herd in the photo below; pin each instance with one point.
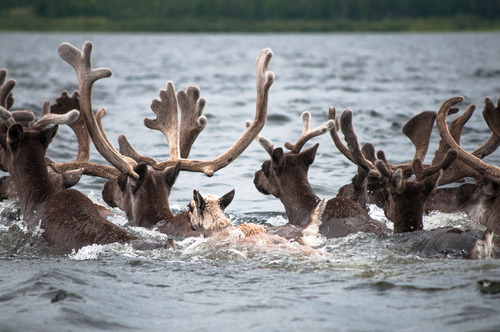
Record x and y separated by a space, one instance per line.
140 185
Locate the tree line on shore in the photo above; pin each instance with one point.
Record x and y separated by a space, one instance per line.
251 10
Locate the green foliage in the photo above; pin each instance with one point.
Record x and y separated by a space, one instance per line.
248 15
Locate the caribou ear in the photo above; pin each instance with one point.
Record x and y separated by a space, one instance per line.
277 155
72 177
278 160
48 134
396 181
309 155
225 200
431 182
15 135
171 174
199 201
142 170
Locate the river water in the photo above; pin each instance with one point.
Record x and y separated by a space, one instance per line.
360 283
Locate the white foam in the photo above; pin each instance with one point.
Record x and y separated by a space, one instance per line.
277 221
438 219
378 214
87 253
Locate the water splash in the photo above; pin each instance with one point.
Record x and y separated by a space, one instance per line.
277 221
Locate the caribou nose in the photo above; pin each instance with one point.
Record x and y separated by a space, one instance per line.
256 180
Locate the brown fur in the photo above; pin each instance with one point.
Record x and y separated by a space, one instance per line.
145 201
406 200
251 229
61 181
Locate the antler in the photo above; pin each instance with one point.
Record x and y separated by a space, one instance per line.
353 150
307 133
459 169
491 115
8 117
181 138
192 120
332 115
56 119
418 129
87 76
167 120
6 98
63 104
489 171
25 117
46 119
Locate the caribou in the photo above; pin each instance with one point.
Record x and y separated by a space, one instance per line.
206 215
26 118
285 177
476 199
407 187
140 185
405 197
68 218
479 200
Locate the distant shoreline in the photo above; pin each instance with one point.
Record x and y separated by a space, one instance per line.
29 23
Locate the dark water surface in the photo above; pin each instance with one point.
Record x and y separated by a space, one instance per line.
361 283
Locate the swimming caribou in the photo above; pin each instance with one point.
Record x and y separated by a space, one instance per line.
479 200
206 215
68 218
285 177
27 118
407 187
142 186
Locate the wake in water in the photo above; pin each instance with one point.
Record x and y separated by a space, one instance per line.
17 241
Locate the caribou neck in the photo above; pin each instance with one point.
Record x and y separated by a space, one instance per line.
299 204
32 181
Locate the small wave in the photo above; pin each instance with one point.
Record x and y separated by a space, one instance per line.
437 219
383 286
278 118
490 287
487 73
115 250
378 214
96 251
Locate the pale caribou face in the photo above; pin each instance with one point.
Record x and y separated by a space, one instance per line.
206 213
